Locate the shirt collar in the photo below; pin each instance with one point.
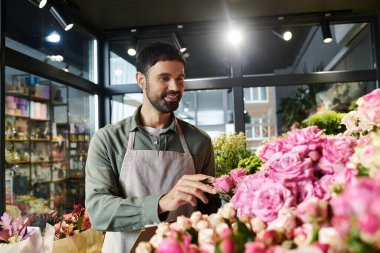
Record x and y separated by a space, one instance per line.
135 123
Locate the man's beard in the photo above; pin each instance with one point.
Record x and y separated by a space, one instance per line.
160 104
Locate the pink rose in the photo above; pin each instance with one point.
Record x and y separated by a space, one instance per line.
237 175
312 210
244 192
302 141
358 206
254 247
170 245
369 107
291 167
336 152
269 199
324 186
225 183
270 149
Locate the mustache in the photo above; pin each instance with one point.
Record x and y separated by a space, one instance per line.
171 93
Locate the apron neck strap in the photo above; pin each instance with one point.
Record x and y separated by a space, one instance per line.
181 137
131 139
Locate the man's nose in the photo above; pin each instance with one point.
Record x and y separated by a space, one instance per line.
174 85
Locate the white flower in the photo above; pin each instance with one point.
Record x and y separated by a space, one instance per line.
219 229
227 211
195 217
162 228
144 247
181 224
202 224
257 225
156 240
206 236
215 219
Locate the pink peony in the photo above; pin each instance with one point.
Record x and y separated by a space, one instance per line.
170 245
369 107
254 247
225 183
237 175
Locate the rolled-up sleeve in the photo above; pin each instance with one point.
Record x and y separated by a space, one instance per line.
107 208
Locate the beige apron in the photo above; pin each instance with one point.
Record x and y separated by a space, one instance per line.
149 172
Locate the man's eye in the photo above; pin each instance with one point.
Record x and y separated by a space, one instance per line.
164 78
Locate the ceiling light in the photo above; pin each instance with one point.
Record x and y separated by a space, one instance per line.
178 42
326 32
66 68
234 36
287 35
54 37
40 3
64 22
132 48
283 34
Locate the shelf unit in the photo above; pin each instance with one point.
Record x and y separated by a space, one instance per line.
45 151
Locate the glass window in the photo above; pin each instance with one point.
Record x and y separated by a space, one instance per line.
48 127
256 95
210 110
38 35
289 106
209 60
266 52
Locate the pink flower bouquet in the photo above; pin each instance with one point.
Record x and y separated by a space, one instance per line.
226 184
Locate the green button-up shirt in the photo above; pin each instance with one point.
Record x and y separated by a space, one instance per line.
108 209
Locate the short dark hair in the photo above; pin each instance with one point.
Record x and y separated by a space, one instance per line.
158 51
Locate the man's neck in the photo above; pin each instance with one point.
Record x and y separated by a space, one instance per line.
150 117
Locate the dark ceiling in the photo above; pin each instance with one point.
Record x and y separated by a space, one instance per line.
203 29
116 14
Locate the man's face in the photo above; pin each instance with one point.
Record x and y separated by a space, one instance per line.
165 85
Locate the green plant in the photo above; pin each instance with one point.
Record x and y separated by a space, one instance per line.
328 120
252 164
229 149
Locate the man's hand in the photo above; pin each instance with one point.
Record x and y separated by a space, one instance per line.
187 190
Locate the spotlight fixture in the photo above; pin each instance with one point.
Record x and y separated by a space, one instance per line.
178 42
326 32
285 35
40 3
132 48
66 68
63 21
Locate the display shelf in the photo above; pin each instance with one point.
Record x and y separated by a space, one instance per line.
39 134
17 116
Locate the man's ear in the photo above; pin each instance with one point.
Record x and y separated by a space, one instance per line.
140 78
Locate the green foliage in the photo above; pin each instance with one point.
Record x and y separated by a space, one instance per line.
328 120
252 164
296 109
229 149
